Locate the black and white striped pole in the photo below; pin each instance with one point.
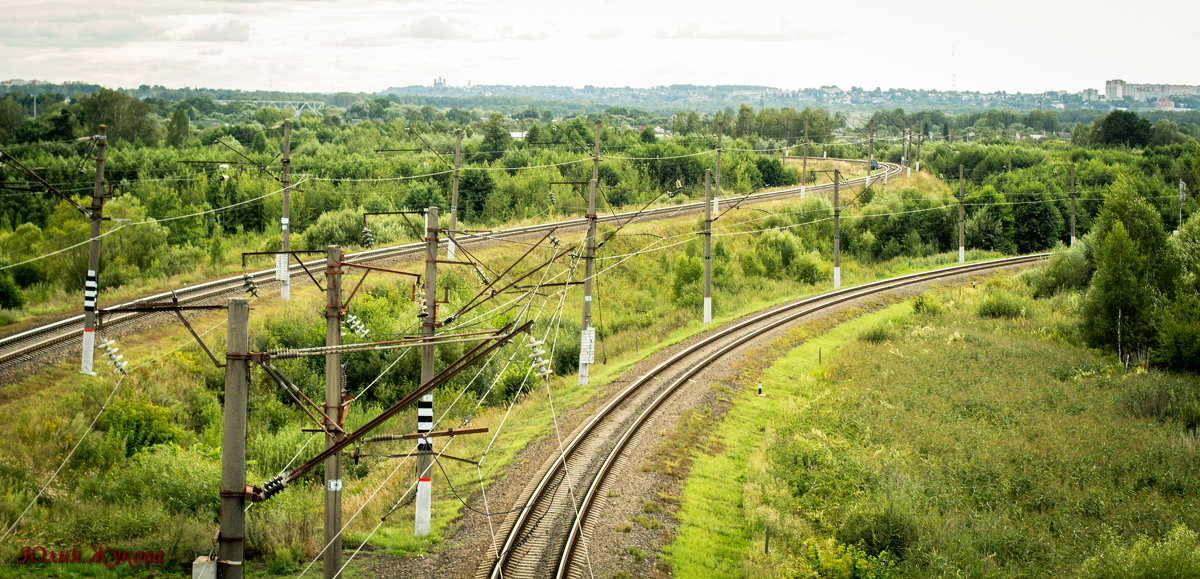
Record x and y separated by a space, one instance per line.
424 477
424 500
91 286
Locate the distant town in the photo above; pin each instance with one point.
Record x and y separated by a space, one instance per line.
1117 94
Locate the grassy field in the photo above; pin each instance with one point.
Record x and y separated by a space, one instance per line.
969 435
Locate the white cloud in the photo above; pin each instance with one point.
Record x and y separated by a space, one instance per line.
433 27
229 31
694 31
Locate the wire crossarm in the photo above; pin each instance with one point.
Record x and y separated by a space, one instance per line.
503 336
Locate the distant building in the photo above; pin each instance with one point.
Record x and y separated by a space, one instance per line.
1090 95
1115 90
1164 104
439 82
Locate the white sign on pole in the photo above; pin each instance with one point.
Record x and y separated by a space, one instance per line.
587 346
281 267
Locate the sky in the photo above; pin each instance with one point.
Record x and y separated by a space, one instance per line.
369 45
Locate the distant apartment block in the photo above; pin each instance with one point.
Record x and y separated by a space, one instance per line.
1115 90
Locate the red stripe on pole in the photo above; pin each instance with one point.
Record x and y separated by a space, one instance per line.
425 480
89 331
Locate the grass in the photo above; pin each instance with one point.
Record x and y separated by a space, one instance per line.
709 542
52 408
962 445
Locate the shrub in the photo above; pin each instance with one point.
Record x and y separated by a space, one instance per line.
1002 305
830 559
1176 555
879 529
926 304
1067 269
877 334
1178 329
140 424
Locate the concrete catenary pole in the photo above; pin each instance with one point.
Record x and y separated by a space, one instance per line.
837 230
804 163
587 338
232 538
423 516
1072 204
962 218
451 244
285 234
91 285
708 215
333 407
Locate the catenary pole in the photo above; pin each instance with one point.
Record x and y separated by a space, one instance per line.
91 284
450 246
837 230
708 214
1072 204
285 234
588 334
333 407
424 501
962 217
232 538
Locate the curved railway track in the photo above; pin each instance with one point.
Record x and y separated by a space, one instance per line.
31 348
548 532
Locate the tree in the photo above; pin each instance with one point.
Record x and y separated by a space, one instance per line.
1144 226
647 135
1037 222
1122 128
1166 132
179 129
496 138
128 119
1118 308
12 117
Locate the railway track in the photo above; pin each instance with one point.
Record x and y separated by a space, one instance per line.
30 349
555 516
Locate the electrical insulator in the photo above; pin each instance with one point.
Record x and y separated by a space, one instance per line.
553 199
356 325
368 238
117 361
249 285
554 241
422 309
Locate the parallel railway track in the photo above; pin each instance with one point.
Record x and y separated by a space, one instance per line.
30 349
552 521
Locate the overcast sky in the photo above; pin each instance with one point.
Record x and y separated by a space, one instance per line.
369 45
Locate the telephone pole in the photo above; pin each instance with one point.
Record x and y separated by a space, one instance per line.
837 230
804 164
587 337
424 515
708 211
333 407
450 246
962 217
91 286
232 537
285 234
907 149
1072 204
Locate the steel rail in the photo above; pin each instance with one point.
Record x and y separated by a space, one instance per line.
29 345
786 314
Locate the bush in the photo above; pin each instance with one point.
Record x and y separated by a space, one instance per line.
877 334
1002 305
879 529
1177 555
926 304
140 425
830 559
1067 269
1178 328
